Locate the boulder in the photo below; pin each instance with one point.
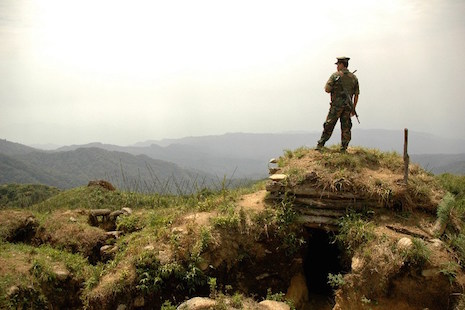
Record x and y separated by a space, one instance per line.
404 243
12 291
273 305
108 251
197 303
277 177
298 291
127 211
102 183
356 264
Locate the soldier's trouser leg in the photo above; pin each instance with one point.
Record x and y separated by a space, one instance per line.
346 126
328 126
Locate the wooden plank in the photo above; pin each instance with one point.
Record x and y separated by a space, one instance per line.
317 220
100 212
313 192
324 227
336 204
320 212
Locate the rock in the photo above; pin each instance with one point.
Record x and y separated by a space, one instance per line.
273 161
357 264
139 302
12 291
197 303
437 244
31 221
273 305
115 214
178 230
113 234
404 243
430 273
122 307
127 211
108 251
61 274
72 219
298 291
102 183
277 177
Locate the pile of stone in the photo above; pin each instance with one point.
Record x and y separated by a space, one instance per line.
106 218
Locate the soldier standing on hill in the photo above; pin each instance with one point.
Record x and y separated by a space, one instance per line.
340 84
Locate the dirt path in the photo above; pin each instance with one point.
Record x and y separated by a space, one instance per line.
254 201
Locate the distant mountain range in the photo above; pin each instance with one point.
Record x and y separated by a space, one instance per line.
198 161
246 155
68 169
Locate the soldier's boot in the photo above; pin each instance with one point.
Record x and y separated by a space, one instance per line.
320 146
343 148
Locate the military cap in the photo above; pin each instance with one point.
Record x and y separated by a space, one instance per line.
342 59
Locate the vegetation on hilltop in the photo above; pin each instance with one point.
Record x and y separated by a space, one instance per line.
24 195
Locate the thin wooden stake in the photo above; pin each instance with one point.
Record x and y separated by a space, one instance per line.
406 157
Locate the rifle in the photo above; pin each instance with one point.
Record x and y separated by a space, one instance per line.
350 103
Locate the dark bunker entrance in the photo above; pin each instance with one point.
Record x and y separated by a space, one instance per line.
323 257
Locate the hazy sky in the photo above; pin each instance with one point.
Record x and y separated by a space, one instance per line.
79 71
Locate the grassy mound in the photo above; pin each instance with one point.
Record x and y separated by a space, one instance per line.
366 173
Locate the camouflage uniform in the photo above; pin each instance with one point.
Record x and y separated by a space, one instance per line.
339 108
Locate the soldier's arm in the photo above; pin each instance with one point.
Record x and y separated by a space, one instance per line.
329 85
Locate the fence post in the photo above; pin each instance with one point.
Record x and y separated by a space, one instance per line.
406 157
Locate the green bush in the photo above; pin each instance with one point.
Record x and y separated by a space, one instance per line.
128 223
354 231
416 255
453 183
335 280
445 208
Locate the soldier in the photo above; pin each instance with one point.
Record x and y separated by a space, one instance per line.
340 83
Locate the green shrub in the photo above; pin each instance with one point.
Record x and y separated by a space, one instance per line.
167 306
279 297
445 208
128 224
453 183
457 242
335 280
354 231
416 255
450 270
237 300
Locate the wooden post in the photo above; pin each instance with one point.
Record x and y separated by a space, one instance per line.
406 157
